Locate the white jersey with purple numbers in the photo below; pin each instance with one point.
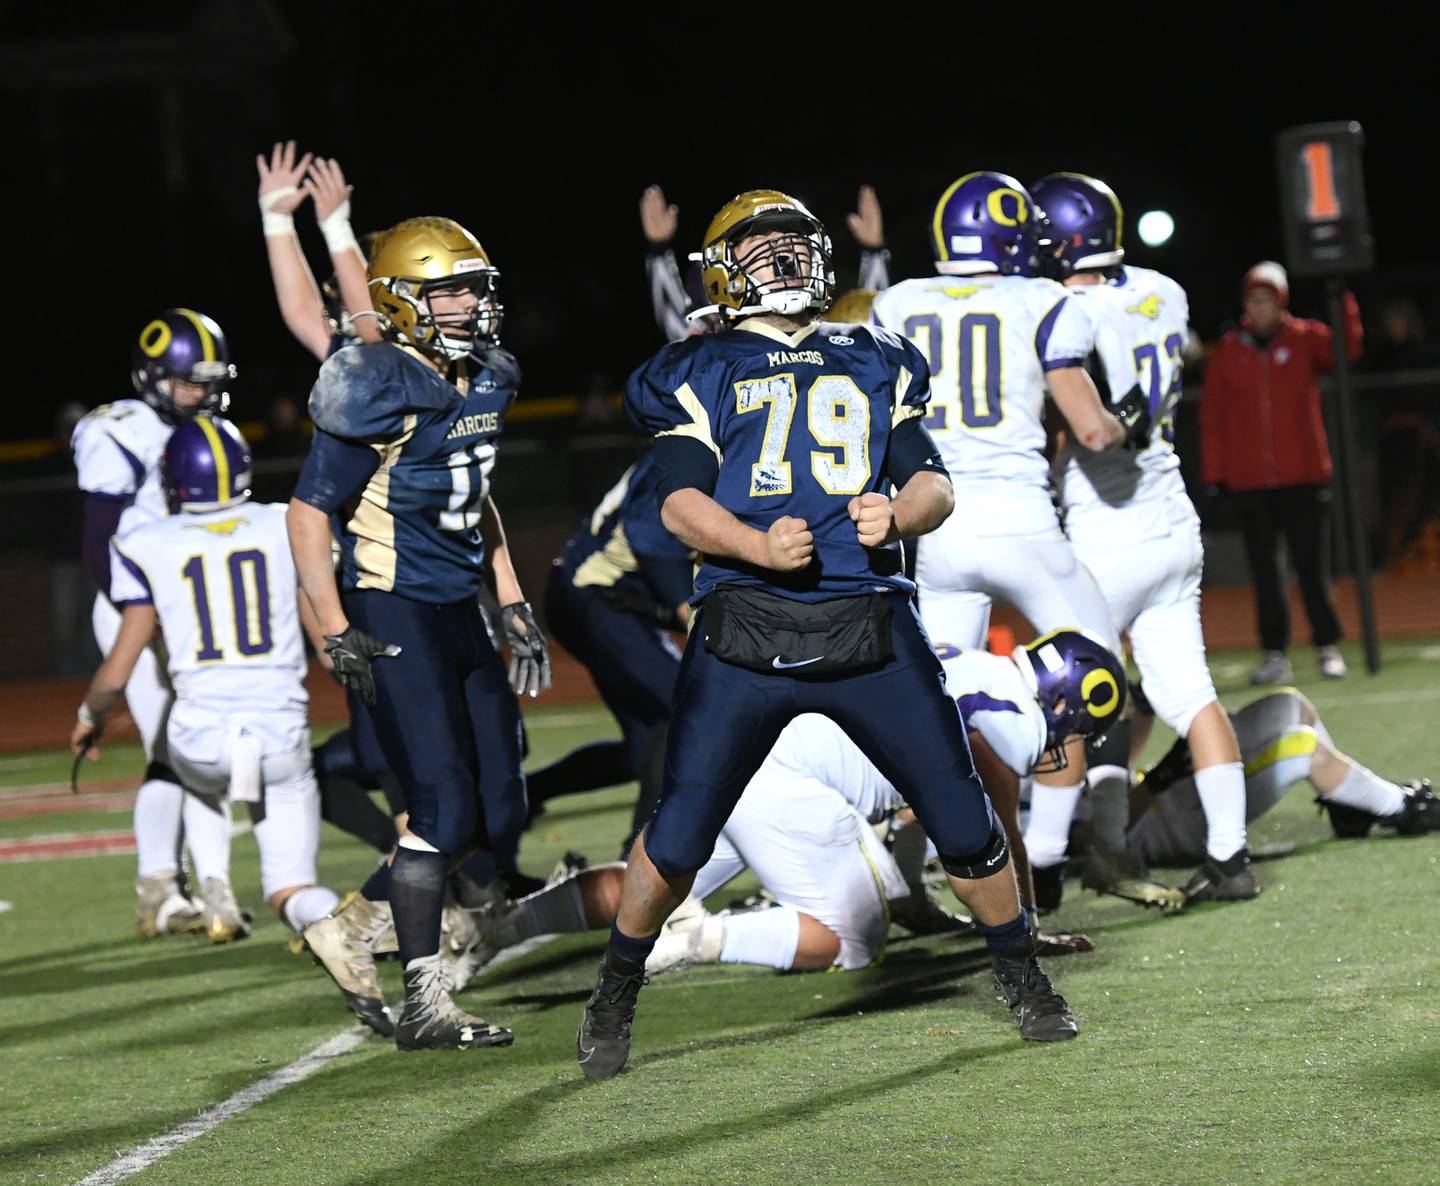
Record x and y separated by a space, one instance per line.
224 588
1141 322
117 450
989 342
997 703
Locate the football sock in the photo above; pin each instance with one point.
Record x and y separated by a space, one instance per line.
345 803
309 905
998 939
769 937
1222 794
601 764
207 833
157 827
417 896
1109 806
628 950
377 886
1366 790
556 910
1047 835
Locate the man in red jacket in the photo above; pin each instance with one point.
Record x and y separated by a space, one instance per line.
1263 440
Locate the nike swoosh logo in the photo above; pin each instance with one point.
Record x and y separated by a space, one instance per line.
779 666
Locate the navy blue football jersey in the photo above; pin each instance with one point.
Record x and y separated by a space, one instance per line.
799 424
413 528
624 544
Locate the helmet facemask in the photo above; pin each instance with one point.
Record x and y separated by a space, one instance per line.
155 383
456 334
788 272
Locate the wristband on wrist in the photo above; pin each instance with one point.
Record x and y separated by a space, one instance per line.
272 221
335 226
85 716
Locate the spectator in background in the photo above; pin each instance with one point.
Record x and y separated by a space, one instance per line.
1263 442
1409 416
285 434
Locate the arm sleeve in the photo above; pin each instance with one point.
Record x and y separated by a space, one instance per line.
102 518
128 583
661 402
683 463
874 269
667 294
912 449
1322 338
335 471
1065 336
1212 420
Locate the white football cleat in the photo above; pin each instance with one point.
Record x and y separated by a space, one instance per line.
225 922
692 935
164 909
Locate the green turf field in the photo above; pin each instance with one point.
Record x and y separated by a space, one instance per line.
1292 1039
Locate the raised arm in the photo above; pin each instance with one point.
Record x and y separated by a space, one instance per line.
330 192
299 298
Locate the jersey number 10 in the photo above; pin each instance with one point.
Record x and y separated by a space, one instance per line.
250 598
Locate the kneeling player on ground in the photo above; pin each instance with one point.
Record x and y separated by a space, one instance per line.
779 444
1282 742
217 579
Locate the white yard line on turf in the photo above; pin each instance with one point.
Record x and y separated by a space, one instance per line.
1398 696
146 1155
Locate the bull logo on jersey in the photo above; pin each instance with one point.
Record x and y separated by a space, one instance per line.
1149 307
224 527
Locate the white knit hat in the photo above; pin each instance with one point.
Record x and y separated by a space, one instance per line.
1268 274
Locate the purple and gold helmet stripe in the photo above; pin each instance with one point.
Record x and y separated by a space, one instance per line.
223 491
207 341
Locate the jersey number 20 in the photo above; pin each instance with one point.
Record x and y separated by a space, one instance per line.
978 347
838 414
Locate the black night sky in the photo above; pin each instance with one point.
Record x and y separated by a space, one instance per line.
541 142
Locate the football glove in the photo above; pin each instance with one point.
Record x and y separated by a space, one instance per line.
1133 412
352 653
529 656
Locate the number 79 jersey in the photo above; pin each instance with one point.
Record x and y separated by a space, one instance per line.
224 588
989 342
799 424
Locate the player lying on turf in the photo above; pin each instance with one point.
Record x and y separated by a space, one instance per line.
1283 743
217 579
802 826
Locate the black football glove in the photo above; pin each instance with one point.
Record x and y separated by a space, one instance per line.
1133 412
529 656
352 653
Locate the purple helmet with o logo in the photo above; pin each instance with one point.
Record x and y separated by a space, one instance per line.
985 222
186 345
206 465
1078 681
1081 225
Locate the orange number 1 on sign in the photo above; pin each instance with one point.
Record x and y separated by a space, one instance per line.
1320 173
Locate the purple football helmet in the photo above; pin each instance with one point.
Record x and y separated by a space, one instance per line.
186 345
985 222
1078 681
206 465
1081 225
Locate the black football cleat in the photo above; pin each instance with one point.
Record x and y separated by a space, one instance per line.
1124 875
1421 812
602 1046
1049 883
1041 1012
1230 880
1348 823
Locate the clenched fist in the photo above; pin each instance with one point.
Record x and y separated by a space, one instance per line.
874 520
788 545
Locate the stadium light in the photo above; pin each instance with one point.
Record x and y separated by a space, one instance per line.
1155 227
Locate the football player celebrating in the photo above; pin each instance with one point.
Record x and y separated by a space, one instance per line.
404 445
779 443
180 366
217 579
1134 528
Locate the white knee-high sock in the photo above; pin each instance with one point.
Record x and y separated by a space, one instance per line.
309 905
1222 794
1366 790
769 937
157 828
1047 835
207 835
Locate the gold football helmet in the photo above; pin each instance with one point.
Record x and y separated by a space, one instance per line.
788 272
423 257
852 307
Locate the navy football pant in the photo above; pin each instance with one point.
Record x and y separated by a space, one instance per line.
632 662
447 721
728 718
